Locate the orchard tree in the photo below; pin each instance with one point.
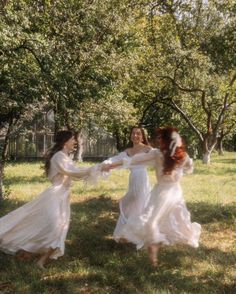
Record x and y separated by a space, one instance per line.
91 45
20 82
187 64
227 131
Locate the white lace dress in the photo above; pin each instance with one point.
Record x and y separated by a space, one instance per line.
166 219
43 222
133 203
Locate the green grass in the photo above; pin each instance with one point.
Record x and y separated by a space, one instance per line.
94 263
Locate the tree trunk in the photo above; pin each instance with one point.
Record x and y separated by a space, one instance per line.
206 152
1 184
79 146
206 157
4 150
4 158
208 146
118 140
2 165
220 146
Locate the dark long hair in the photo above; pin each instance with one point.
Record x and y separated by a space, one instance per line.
144 141
60 139
163 136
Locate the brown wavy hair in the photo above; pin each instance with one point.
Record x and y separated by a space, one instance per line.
162 140
60 139
144 141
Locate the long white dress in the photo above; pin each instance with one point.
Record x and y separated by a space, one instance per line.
166 219
133 203
43 222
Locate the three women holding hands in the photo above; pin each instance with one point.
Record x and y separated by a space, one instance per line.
149 218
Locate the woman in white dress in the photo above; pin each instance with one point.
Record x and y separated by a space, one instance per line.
166 220
136 198
40 226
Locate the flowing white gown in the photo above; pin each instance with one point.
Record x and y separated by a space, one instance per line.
43 222
166 219
133 203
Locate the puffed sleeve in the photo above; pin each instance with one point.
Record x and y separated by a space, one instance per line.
149 158
188 165
115 158
65 166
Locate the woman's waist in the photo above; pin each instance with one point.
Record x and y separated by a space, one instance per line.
168 184
61 181
62 184
138 168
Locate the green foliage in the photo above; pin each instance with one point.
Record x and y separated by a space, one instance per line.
181 65
160 61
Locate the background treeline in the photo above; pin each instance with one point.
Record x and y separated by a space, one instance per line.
110 64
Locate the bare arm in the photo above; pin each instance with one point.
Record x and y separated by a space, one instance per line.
188 165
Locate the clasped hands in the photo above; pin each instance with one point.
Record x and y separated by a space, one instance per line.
106 167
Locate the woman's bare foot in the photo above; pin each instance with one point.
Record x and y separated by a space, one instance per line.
40 264
123 241
42 260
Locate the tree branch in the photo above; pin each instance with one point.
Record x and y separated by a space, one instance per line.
186 118
225 105
174 106
180 87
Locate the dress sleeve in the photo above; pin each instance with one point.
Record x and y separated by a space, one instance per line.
115 158
65 166
188 165
149 158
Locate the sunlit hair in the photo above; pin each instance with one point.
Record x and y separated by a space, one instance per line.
162 140
60 139
144 136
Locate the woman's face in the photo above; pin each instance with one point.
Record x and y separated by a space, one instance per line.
70 144
136 136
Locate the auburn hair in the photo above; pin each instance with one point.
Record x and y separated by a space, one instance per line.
162 140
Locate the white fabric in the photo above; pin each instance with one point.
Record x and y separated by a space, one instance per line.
166 219
176 141
137 196
43 222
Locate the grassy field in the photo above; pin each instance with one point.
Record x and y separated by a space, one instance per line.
94 263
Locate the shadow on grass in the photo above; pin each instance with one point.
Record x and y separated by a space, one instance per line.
94 263
122 269
9 205
204 213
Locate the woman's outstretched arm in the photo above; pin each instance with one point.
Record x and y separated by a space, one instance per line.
138 159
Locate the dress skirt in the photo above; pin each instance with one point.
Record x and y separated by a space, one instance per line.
166 220
135 200
38 225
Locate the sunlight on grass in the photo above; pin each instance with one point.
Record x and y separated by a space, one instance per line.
94 263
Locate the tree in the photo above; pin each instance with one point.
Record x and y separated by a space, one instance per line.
20 82
61 52
185 69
